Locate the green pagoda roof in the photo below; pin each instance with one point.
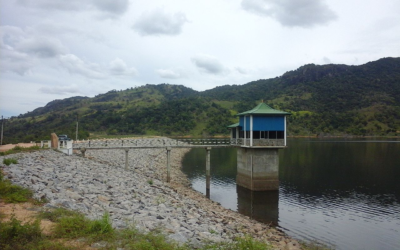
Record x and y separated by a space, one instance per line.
263 109
234 125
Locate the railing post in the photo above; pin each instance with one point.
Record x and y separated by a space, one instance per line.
83 151
208 172
168 164
126 159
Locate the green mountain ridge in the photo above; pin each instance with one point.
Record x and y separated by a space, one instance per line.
323 99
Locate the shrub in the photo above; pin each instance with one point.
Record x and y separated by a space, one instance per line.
74 225
10 161
12 193
13 234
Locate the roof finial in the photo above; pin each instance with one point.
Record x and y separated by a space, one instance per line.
262 100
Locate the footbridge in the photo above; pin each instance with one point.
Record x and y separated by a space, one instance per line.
148 143
151 143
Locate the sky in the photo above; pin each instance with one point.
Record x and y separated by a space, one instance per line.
55 49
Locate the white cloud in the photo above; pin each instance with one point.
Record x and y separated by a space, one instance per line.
41 47
302 13
119 67
71 5
241 70
326 60
169 74
75 65
114 7
158 22
60 90
44 40
208 64
14 61
11 59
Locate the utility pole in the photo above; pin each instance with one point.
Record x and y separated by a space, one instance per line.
76 135
2 121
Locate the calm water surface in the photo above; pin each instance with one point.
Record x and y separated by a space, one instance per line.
345 193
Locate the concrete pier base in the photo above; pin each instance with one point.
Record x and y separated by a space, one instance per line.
258 168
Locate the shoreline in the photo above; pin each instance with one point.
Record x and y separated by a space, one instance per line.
140 195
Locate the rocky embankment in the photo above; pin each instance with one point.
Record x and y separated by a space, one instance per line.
138 196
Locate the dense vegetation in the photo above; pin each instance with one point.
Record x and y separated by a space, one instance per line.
324 100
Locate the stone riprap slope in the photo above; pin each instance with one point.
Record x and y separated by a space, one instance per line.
138 196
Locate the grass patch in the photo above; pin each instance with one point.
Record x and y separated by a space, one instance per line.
133 239
75 225
12 193
14 233
18 149
14 236
10 161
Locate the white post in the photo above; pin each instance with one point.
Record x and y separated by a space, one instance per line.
237 135
245 132
251 131
284 129
69 147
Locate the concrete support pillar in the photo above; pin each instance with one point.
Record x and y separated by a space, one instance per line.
83 151
208 168
126 159
258 168
168 164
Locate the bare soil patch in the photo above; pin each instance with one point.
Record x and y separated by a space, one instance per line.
7 147
24 212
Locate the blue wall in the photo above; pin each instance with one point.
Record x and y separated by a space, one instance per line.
241 122
264 123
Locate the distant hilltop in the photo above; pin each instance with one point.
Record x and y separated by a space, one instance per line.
327 99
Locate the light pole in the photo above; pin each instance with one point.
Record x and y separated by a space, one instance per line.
76 134
2 121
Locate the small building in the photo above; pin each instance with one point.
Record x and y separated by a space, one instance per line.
259 135
261 127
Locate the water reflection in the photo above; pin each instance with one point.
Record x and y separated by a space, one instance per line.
343 192
258 205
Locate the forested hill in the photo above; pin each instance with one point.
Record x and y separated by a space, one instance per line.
325 100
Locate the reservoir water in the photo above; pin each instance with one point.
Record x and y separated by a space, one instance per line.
344 193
